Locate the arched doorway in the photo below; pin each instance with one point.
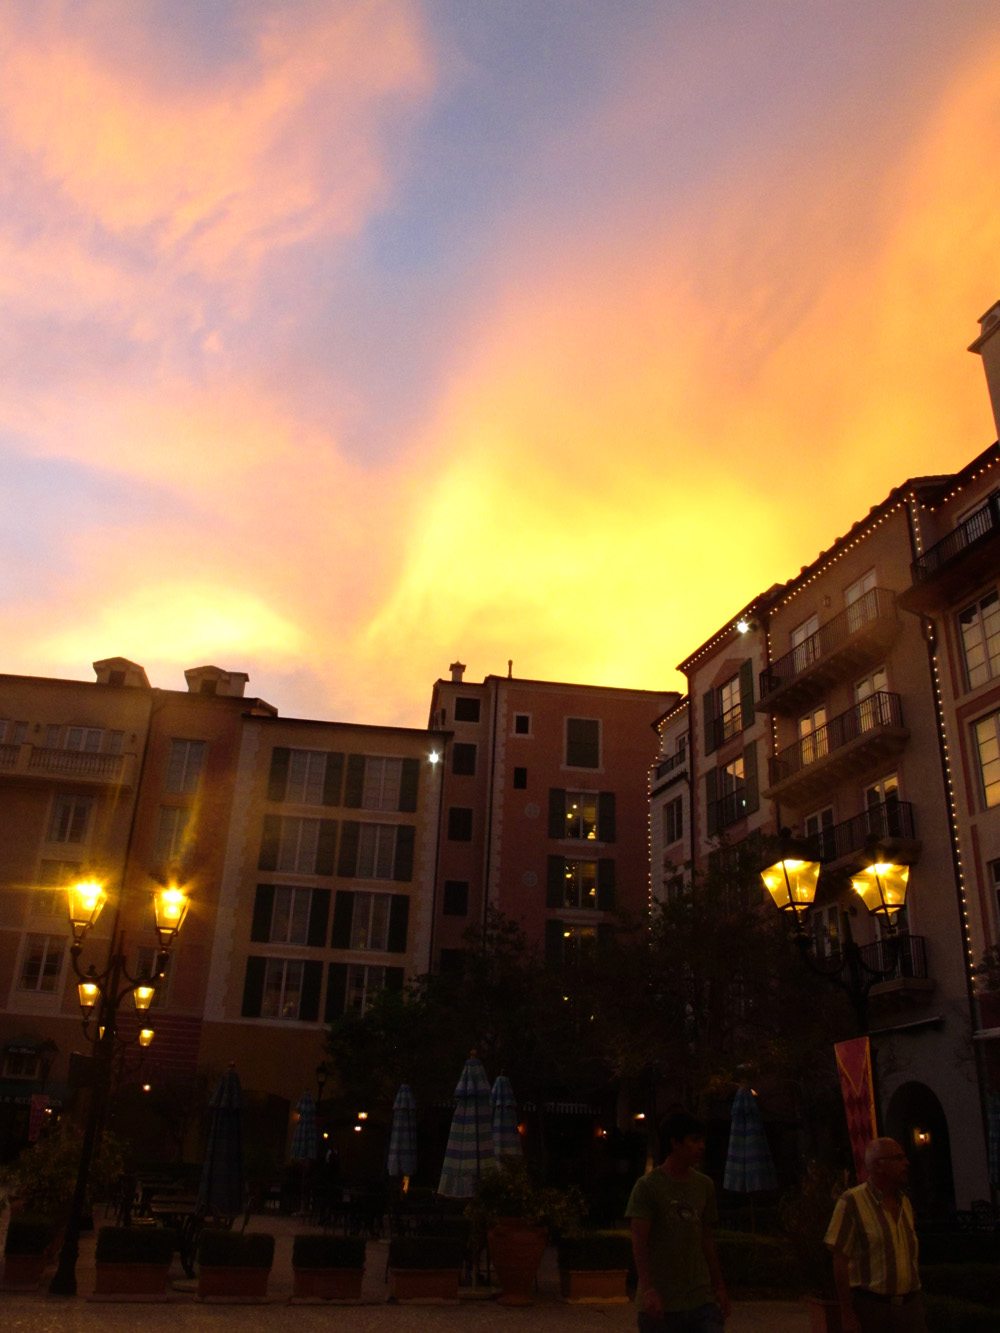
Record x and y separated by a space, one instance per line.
916 1119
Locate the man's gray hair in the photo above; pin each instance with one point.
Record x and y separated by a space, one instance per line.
876 1149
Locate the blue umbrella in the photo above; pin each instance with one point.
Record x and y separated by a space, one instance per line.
748 1163
506 1139
304 1139
470 1144
221 1188
401 1159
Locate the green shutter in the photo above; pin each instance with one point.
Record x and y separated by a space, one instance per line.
343 914
355 785
554 944
711 813
557 812
402 870
606 816
347 865
333 778
336 991
277 782
263 907
253 987
269 839
408 784
746 694
750 777
319 915
312 982
555 883
708 710
399 915
606 884
325 845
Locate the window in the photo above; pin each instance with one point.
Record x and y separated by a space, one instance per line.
456 897
980 629
377 782
70 818
813 740
382 783
87 739
370 922
583 742
466 709
522 724
580 889
805 643
730 793
459 824
282 988
170 834
567 944
146 959
673 820
581 815
729 720
306 776
13 733
290 915
298 844
52 734
994 869
818 828
463 759
376 851
860 607
363 981
58 874
184 766
871 712
18 1062
584 885
988 747
825 928
520 778
42 964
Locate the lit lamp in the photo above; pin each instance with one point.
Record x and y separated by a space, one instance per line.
791 882
89 991
143 995
85 902
145 1036
882 888
169 908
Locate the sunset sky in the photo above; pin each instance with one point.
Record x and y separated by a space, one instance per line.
342 338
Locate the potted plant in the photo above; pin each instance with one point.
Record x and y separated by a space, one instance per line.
805 1217
425 1268
26 1251
516 1215
233 1265
133 1261
329 1268
594 1265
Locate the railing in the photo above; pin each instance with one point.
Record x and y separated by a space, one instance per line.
904 956
978 525
878 710
888 819
9 755
730 808
75 763
876 604
728 724
674 761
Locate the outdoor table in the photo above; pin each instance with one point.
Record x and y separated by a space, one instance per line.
181 1212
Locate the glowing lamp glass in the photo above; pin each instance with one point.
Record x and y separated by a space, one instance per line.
89 993
170 907
792 883
882 888
145 1036
85 902
143 996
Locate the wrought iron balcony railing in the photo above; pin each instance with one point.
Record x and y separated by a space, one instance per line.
982 523
730 808
904 956
878 604
878 711
879 823
676 760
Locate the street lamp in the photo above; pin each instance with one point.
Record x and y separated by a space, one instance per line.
100 995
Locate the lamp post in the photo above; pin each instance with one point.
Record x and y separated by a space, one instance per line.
101 994
792 881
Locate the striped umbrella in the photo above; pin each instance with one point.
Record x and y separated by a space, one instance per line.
470 1144
221 1188
506 1139
305 1141
401 1159
748 1163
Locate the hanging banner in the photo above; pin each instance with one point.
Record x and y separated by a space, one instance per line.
854 1065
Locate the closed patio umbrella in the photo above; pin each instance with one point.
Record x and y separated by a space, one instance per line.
506 1139
221 1188
401 1159
304 1139
749 1167
470 1143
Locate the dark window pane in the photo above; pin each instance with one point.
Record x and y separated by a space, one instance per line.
459 824
583 742
466 709
456 897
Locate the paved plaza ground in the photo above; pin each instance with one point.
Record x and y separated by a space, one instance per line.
180 1311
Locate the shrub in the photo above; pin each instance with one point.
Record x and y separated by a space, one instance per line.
758 1264
230 1249
328 1252
946 1314
595 1251
29 1235
44 1174
510 1191
959 1247
426 1252
969 1282
135 1245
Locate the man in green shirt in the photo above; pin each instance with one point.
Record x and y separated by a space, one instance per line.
672 1211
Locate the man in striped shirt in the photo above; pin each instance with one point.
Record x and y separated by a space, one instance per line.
874 1248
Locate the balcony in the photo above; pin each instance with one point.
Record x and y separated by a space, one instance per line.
890 824
867 734
727 725
963 558
903 960
671 764
728 809
36 762
858 638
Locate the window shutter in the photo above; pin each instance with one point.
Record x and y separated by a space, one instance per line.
708 707
402 870
325 844
606 816
333 778
746 693
319 915
711 813
277 783
553 944
408 783
343 913
752 795
253 987
394 978
269 839
606 884
355 785
557 812
399 915
554 884
312 981
349 835
263 906
336 990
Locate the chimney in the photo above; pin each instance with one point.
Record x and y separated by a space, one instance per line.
987 345
120 671
213 680
457 670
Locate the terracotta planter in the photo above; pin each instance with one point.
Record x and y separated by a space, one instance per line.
593 1284
328 1284
824 1316
131 1279
423 1284
23 1271
249 1284
516 1249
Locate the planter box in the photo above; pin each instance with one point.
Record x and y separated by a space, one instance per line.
328 1284
23 1272
423 1284
248 1284
131 1279
824 1316
516 1249
607 1284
